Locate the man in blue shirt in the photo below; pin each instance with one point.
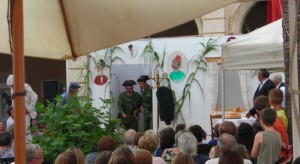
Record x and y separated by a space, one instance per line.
71 95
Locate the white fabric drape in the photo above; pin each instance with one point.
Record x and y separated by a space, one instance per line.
212 84
246 87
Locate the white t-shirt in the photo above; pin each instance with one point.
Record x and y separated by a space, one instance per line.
9 122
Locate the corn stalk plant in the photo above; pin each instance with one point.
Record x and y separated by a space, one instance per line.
198 59
149 53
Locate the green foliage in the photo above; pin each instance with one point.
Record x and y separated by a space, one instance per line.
76 124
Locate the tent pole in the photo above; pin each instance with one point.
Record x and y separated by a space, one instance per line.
18 71
223 96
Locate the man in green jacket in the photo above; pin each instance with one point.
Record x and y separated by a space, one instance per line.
146 108
129 103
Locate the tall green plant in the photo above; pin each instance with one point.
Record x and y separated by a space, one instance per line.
198 59
200 63
77 124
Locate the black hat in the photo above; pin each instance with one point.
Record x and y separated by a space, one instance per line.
129 83
74 85
143 78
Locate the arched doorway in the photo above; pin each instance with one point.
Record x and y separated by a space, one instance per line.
256 17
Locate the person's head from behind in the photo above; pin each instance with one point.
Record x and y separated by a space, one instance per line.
231 157
197 132
226 142
183 158
106 143
261 102
122 155
103 157
216 130
263 74
267 117
34 154
5 139
297 160
245 135
74 156
275 96
148 142
228 127
187 143
276 78
60 159
137 137
167 138
142 156
128 137
179 127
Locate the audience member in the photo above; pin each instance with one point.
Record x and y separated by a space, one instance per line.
6 151
230 128
276 78
297 160
34 154
142 156
183 158
198 132
226 142
179 127
214 141
60 159
275 99
105 143
122 155
137 136
149 142
74 155
167 141
256 127
128 139
267 144
245 136
103 157
230 157
187 143
10 120
262 102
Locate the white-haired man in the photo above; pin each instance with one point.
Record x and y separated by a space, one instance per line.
30 101
276 78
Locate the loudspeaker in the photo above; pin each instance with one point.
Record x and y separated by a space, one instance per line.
50 90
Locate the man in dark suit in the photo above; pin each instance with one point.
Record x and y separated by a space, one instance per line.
263 89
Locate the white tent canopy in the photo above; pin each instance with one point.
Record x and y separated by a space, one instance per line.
262 48
62 29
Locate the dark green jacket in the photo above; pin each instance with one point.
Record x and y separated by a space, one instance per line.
129 103
147 98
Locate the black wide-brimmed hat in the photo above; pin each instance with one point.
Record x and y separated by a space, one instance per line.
143 78
129 83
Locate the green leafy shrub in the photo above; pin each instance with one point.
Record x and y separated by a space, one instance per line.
76 124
